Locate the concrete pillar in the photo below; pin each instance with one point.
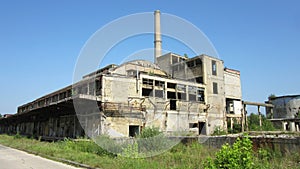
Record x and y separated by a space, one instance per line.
284 126
259 114
297 127
292 126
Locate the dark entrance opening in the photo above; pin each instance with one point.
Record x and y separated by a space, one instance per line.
134 130
172 104
202 128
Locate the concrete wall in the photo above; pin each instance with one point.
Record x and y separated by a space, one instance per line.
232 82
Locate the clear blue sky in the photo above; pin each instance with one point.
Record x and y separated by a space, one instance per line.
41 40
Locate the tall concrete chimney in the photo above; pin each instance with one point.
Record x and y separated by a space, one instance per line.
157 35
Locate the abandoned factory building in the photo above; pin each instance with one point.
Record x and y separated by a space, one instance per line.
193 95
177 94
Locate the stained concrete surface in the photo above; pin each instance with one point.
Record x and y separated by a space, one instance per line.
16 159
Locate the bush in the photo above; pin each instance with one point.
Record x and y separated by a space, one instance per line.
239 155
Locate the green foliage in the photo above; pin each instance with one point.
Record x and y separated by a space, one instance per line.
190 155
131 151
219 131
148 132
17 136
237 156
253 123
151 140
272 96
237 127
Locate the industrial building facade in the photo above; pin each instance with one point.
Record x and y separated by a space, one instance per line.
191 96
177 94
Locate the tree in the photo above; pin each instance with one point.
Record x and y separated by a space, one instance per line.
253 123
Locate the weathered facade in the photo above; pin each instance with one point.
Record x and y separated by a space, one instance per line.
179 95
286 112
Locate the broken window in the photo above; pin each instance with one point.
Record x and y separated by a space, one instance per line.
159 93
172 104
171 95
200 95
148 82
181 88
198 61
147 92
192 93
98 87
214 67
215 88
181 96
171 85
159 83
191 63
199 80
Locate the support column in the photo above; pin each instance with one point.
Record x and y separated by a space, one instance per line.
292 126
259 114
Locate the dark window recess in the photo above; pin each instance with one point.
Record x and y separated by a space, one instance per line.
198 62
159 83
215 88
172 104
192 97
171 95
214 67
199 79
193 125
147 92
181 96
134 131
171 85
202 128
200 95
191 63
159 93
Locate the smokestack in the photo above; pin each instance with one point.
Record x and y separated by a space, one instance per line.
157 35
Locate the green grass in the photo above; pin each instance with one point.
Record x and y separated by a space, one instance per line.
180 156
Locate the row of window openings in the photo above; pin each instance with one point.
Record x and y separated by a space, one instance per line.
149 82
199 96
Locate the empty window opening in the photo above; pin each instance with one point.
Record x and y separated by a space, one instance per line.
215 88
214 67
171 85
171 95
134 130
159 93
193 125
200 95
148 82
202 128
192 93
147 92
191 63
159 83
181 96
199 80
172 104
198 61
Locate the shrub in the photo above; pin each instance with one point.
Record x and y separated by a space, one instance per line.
237 156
